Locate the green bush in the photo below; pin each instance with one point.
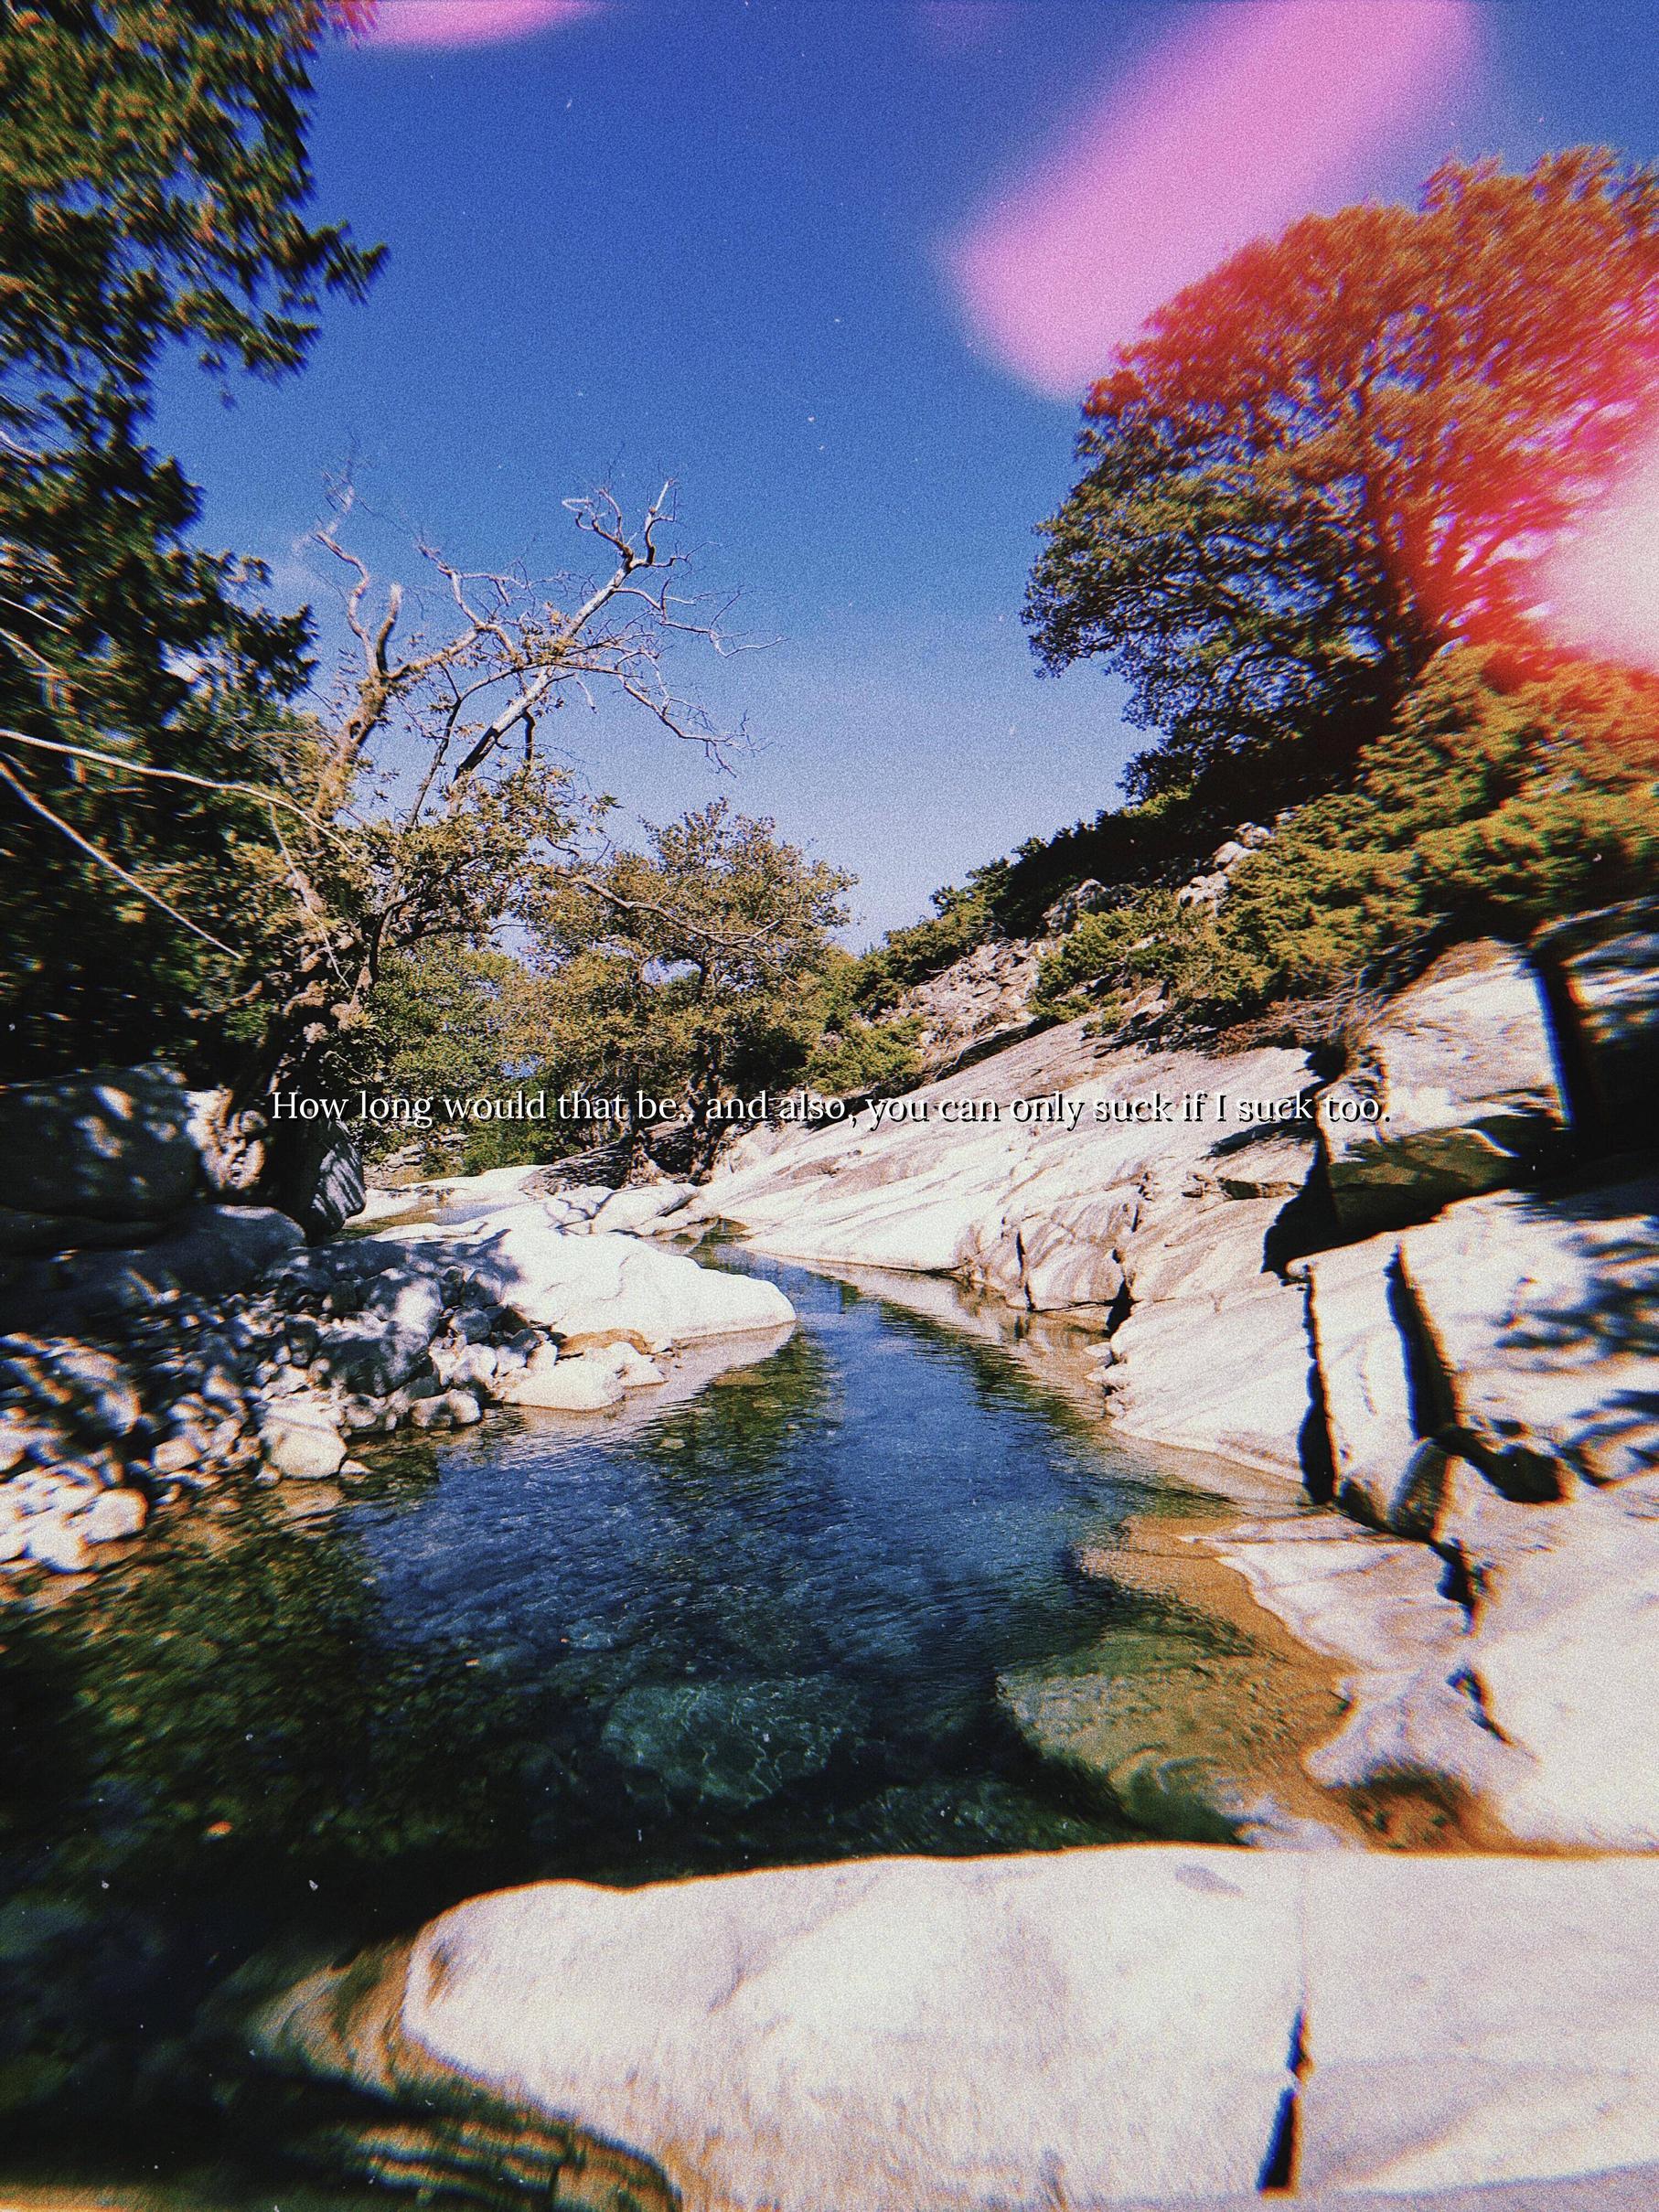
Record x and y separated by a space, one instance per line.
1487 808
866 1058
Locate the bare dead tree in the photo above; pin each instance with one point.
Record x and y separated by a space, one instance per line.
425 818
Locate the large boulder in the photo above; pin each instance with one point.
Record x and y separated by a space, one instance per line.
106 1158
1091 2028
210 1251
1460 1075
604 1286
1602 970
314 1173
901 2036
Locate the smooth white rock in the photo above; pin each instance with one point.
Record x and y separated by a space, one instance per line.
641 1210
1372 1399
1233 1382
609 1285
1461 1068
56 1542
901 2036
1082 2028
1544 1319
1480 2020
300 1438
116 1514
586 1383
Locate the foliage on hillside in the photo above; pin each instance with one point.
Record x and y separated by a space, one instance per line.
1486 807
962 919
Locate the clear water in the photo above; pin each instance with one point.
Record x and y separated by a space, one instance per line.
761 1625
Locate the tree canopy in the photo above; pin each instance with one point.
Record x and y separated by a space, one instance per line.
691 971
1339 452
153 186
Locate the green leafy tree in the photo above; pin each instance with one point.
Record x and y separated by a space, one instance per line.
153 186
1335 455
688 970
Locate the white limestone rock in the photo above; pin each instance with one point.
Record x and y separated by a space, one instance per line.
102 1160
117 1514
1378 1418
640 1211
1233 1382
1480 2021
1604 970
56 1541
606 1285
1091 2028
1566 1655
586 1383
1541 1317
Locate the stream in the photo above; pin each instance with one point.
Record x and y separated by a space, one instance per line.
808 1612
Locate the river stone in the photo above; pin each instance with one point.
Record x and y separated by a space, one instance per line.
1604 970
53 1540
729 1743
1378 1603
314 1173
299 1438
1075 2027
608 1285
447 1409
118 1514
1461 1066
112 1148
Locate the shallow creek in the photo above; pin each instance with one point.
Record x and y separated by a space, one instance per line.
883 1588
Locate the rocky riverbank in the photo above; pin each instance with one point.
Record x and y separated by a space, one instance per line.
1422 1286
161 1346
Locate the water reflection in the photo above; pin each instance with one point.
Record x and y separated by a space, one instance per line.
766 1623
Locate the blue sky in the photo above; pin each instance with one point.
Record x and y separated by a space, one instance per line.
706 241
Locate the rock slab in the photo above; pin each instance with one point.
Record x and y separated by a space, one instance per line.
1088 2028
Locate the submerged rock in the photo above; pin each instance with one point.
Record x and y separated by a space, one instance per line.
1172 1732
731 1743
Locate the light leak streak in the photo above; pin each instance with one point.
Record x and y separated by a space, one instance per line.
1227 131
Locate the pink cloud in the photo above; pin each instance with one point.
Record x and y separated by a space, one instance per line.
1227 131
437 23
1603 579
